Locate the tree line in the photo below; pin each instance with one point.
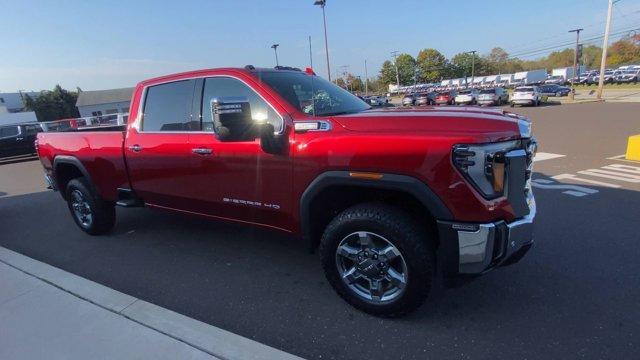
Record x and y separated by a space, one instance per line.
430 65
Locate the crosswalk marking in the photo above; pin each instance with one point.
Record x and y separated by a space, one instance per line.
589 181
611 175
623 168
573 190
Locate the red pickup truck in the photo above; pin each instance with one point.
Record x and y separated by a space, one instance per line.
390 197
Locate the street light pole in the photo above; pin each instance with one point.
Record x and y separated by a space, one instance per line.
575 62
366 79
322 3
275 50
395 62
473 64
605 43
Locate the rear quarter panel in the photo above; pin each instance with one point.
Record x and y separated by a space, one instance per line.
99 152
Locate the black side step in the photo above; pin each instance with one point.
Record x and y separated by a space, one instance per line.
128 198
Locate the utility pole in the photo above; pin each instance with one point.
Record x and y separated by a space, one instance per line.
605 43
575 62
322 4
275 50
366 78
395 62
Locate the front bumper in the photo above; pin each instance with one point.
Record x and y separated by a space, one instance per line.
476 248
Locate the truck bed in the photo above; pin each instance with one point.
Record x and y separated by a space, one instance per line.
100 152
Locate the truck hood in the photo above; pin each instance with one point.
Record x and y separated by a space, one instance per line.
481 124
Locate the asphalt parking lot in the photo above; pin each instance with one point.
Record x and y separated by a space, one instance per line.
575 295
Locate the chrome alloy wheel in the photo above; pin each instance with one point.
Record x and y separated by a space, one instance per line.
81 209
372 267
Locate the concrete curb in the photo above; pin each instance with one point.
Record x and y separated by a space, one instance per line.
204 337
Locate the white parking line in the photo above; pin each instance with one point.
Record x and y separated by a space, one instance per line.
541 156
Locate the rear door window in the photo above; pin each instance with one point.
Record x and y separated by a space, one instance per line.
167 107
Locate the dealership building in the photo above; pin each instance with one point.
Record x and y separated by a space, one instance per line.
104 102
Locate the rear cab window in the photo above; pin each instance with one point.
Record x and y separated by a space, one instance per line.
168 107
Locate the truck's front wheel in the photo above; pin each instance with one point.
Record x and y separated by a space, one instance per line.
91 213
378 259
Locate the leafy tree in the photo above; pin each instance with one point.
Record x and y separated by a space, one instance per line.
388 73
433 66
623 52
462 63
53 105
406 69
591 56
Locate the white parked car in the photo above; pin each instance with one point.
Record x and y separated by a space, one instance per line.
467 96
526 95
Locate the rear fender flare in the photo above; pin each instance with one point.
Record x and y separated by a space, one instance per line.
70 160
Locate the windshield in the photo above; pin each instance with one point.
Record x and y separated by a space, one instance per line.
464 92
312 95
524 89
488 91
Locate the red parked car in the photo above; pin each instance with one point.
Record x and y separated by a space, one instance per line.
385 195
446 97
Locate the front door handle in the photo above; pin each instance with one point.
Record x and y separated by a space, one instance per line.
202 151
19 139
135 148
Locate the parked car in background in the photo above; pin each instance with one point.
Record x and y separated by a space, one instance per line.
496 96
446 97
609 76
558 80
426 98
467 96
627 76
554 90
526 95
18 139
377 100
409 100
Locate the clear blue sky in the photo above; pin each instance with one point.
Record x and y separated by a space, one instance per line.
106 44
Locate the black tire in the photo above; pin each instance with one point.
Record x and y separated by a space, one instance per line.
103 213
413 241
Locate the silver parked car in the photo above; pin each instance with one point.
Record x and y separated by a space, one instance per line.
496 96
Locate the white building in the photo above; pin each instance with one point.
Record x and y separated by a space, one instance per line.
104 102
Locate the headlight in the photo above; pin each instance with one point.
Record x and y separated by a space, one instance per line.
483 165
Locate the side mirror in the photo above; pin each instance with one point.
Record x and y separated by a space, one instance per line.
232 119
269 141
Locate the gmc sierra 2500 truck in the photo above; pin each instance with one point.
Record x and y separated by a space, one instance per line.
389 197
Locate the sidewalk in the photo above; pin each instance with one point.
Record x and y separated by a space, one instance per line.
47 313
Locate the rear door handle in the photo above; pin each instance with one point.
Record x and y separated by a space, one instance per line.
135 148
202 151
19 139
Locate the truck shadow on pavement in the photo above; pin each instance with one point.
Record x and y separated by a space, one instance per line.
264 285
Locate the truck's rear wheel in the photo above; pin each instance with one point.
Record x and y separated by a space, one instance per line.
378 259
92 214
